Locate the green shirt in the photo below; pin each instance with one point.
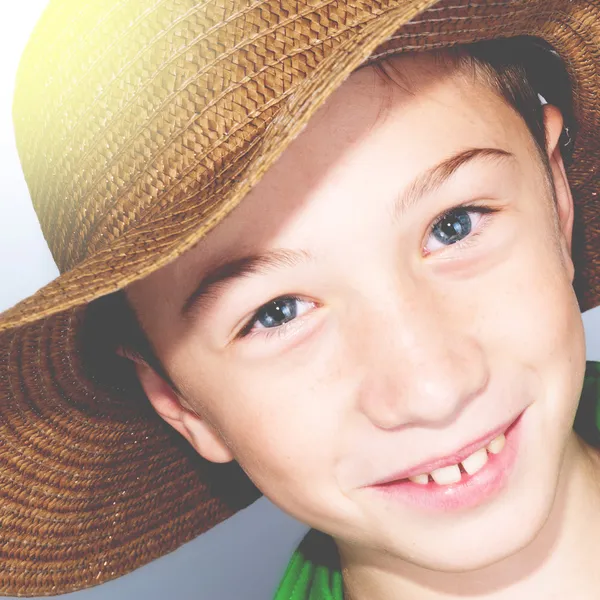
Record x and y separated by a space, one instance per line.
314 571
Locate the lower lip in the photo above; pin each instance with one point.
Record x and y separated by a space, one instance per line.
470 491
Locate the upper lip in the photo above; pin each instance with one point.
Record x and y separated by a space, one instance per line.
449 459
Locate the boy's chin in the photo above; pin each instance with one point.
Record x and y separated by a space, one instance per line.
511 535
502 539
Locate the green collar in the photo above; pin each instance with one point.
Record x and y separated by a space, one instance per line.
314 571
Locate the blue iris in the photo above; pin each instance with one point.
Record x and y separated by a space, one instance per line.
277 312
453 227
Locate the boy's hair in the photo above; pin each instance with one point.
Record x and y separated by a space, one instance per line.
519 69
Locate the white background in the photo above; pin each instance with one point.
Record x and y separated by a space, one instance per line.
242 558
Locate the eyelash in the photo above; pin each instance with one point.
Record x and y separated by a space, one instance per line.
247 329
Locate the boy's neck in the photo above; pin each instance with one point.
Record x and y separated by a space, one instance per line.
562 561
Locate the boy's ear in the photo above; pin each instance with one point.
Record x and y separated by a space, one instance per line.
553 122
200 434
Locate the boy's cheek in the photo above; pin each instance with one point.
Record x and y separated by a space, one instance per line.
532 322
545 321
284 430
526 303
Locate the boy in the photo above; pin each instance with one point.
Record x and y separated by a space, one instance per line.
384 335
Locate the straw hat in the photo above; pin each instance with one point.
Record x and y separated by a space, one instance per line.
140 125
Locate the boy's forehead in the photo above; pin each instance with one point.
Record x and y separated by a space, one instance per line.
373 89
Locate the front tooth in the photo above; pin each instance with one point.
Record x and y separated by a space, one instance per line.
496 445
422 479
475 462
446 475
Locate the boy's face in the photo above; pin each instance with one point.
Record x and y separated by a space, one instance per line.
398 340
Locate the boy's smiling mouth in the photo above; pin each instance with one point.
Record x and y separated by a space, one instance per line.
461 480
469 466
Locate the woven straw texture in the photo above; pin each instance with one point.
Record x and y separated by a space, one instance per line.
140 125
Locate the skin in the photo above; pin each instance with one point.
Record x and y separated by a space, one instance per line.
404 349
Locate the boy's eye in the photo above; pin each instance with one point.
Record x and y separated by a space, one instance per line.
277 313
455 225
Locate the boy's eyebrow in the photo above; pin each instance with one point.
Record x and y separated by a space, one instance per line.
434 177
240 267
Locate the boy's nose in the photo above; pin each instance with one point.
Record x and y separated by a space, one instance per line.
421 364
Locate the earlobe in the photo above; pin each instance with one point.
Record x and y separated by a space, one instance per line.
196 430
